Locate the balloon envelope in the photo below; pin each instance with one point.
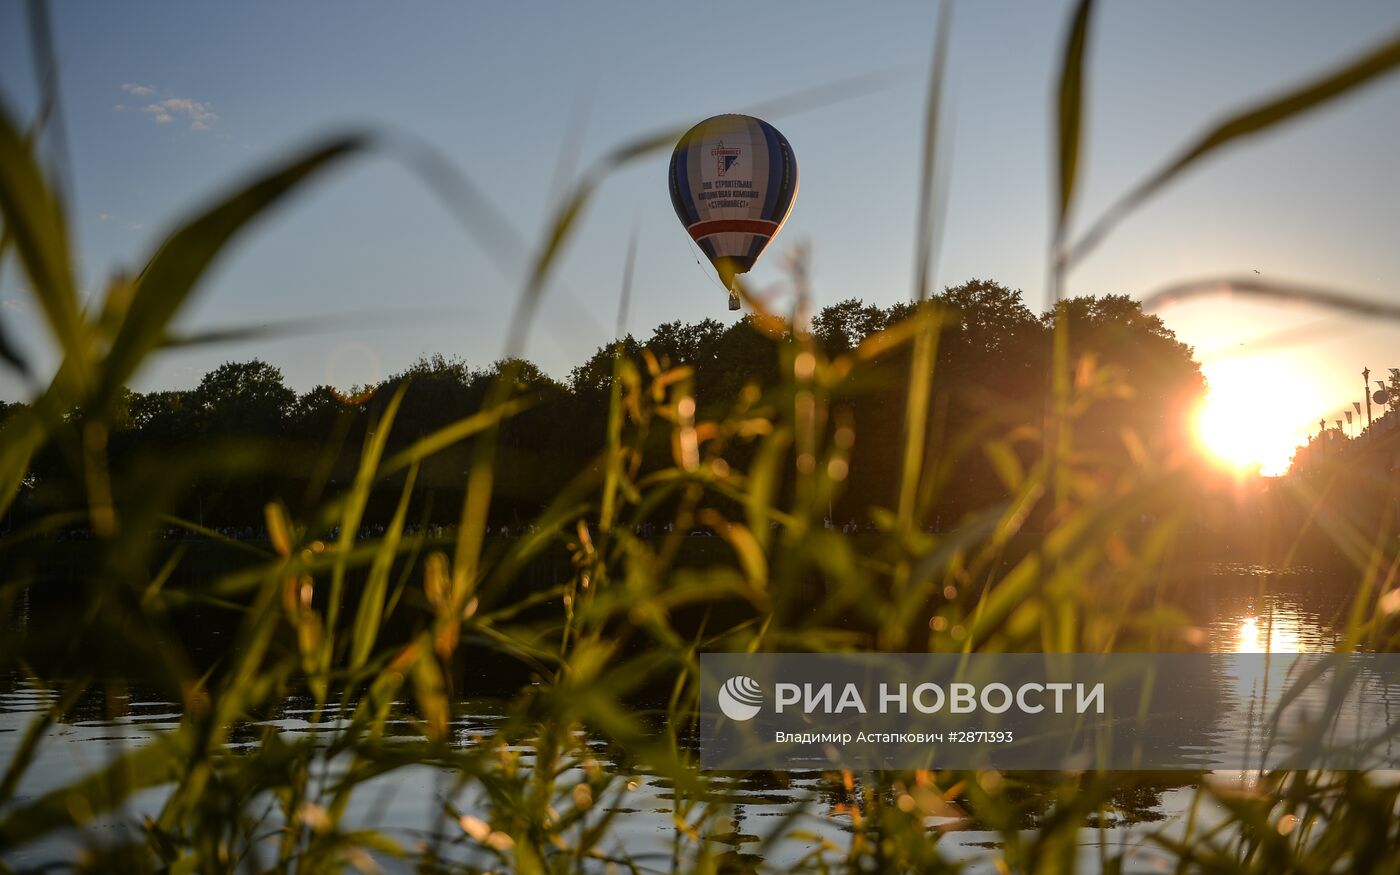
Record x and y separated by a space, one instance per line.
733 182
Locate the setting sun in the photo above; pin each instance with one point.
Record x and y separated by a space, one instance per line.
1248 421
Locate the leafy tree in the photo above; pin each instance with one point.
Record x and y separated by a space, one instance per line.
1163 378
990 321
595 375
991 374
541 448
243 398
439 391
314 414
163 417
732 359
841 327
681 344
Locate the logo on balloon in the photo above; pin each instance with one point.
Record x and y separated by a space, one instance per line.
740 698
726 158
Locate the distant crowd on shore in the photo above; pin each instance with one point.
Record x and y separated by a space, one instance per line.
437 531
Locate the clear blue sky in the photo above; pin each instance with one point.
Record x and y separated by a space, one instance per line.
498 87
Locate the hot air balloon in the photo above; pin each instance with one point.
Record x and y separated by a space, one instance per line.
733 181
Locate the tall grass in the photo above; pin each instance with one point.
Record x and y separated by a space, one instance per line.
628 616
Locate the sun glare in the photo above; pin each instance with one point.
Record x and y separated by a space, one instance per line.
1255 414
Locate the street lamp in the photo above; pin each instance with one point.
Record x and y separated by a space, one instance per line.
1366 393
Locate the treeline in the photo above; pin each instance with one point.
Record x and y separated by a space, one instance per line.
242 436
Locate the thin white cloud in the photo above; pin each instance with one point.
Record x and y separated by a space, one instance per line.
196 112
14 305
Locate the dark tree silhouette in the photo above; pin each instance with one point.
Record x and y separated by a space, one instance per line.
990 375
243 398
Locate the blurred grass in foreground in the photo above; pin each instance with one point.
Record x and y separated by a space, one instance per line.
605 632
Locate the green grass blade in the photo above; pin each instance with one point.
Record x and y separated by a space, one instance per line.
23 754
1257 119
353 512
371 609
613 452
8 351
34 221
21 436
921 365
454 433
928 170
98 792
10 354
1271 290
1070 117
177 266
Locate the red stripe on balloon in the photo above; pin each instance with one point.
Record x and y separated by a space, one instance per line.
726 226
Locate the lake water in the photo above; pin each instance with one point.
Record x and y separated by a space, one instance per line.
1241 609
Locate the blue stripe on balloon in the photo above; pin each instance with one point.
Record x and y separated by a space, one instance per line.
680 178
789 183
756 247
775 170
780 189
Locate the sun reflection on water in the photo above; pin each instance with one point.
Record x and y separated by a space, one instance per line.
1279 628
1262 609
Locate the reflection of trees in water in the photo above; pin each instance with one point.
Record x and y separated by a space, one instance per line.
14 608
1023 800
99 704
